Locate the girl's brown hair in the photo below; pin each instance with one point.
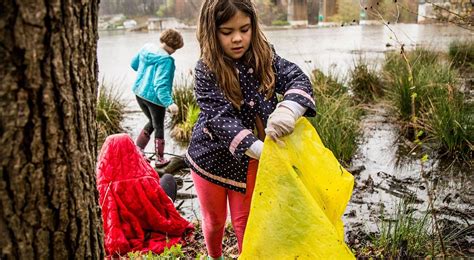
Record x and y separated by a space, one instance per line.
259 55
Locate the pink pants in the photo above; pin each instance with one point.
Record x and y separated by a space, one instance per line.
213 204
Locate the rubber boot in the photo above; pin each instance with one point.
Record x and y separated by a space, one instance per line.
143 139
141 142
160 160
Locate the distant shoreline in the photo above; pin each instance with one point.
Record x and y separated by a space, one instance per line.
273 27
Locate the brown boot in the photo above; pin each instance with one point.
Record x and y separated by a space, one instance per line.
160 160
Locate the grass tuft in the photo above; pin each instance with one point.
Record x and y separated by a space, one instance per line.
404 235
109 112
423 90
461 53
182 131
183 123
365 82
337 119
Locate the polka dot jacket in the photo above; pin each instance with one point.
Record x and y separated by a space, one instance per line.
223 133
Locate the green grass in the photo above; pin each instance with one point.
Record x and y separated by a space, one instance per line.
172 253
337 124
365 81
404 235
432 82
182 131
395 64
183 123
450 123
109 112
337 120
429 99
183 95
461 53
327 85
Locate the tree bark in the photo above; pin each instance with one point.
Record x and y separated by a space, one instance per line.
48 71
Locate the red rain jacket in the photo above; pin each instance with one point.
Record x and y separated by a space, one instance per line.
137 213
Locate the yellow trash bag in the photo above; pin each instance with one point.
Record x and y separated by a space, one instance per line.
300 195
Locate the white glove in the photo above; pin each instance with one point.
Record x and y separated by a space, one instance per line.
255 150
280 123
173 109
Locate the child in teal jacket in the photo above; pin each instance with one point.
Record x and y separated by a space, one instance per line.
153 88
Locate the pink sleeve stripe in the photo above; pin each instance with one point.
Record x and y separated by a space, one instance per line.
300 92
237 139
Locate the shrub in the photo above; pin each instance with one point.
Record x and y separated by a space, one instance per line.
109 112
365 82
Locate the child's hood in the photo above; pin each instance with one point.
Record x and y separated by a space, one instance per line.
153 54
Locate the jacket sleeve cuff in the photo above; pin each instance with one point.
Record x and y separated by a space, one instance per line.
297 109
241 143
255 150
303 99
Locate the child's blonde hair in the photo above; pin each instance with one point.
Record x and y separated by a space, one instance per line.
172 38
259 55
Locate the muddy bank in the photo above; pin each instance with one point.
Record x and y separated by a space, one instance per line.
385 174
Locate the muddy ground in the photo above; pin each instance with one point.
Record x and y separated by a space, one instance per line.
388 169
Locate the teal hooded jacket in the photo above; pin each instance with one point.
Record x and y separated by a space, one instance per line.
155 73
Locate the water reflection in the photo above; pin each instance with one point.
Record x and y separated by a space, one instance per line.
309 48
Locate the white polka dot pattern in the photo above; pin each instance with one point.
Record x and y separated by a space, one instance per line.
223 133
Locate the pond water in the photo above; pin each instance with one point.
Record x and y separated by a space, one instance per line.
328 49
383 181
310 48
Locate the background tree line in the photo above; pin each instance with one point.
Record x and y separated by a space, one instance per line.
130 7
276 11
184 10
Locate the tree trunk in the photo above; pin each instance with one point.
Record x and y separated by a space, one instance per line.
48 71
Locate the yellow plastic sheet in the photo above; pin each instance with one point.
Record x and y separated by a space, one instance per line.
300 195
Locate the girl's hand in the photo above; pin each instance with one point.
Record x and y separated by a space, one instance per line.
280 123
173 109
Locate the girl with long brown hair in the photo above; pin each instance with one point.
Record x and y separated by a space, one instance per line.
237 79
